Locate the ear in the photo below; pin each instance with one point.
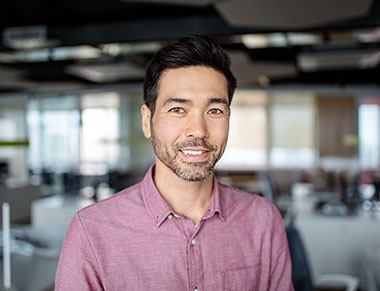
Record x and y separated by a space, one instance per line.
146 116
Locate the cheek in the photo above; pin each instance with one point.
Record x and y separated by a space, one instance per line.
227 128
167 131
220 132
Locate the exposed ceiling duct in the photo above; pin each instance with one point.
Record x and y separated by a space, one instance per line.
176 2
338 60
291 14
107 72
62 43
261 73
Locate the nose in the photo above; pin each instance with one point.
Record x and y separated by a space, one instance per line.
196 127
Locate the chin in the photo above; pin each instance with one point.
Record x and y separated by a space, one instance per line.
190 173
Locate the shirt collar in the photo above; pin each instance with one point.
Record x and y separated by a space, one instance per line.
160 210
216 202
156 205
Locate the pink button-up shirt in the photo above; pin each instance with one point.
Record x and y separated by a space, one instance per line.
135 241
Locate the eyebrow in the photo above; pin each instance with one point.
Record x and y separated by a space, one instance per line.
177 100
189 101
218 100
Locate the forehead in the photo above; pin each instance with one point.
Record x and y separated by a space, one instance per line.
192 82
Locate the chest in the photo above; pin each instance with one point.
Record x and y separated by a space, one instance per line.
179 256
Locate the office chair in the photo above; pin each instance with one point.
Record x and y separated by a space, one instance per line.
268 186
301 274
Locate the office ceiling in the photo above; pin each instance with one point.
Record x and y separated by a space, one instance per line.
66 44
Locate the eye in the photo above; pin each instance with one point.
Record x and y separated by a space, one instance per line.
215 111
177 110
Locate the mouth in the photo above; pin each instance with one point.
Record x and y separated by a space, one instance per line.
195 154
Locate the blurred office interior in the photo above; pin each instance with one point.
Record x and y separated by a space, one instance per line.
304 130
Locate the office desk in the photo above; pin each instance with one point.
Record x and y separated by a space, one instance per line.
50 219
35 273
335 244
34 259
55 213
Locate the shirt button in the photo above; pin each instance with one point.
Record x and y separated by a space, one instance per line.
170 216
196 289
193 243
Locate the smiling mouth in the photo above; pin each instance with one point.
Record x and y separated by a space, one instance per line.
193 153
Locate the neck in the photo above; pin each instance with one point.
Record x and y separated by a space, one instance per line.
190 199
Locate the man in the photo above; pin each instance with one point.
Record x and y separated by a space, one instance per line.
179 229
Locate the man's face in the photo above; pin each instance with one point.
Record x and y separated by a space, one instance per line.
189 128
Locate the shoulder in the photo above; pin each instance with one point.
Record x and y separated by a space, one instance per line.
128 199
234 195
252 206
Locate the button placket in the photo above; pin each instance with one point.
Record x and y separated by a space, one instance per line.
193 253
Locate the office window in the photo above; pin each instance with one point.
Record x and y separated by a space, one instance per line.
247 142
99 132
136 153
369 135
53 124
13 135
292 130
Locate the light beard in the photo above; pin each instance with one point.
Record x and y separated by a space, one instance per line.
188 171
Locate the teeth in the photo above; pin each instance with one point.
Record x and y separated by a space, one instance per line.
194 153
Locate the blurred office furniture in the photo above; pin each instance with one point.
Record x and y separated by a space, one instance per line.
50 181
34 254
55 213
4 172
34 257
32 273
301 274
376 182
119 180
335 244
72 183
47 177
255 182
20 200
268 186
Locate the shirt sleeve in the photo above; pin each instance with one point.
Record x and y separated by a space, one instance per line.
77 267
281 266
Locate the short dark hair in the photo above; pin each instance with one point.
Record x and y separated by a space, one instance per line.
191 50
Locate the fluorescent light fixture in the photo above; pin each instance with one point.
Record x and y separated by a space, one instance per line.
254 41
107 72
27 37
55 54
370 35
75 53
278 40
334 60
30 56
116 49
304 38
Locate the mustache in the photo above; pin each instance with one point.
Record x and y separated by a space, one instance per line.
196 142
